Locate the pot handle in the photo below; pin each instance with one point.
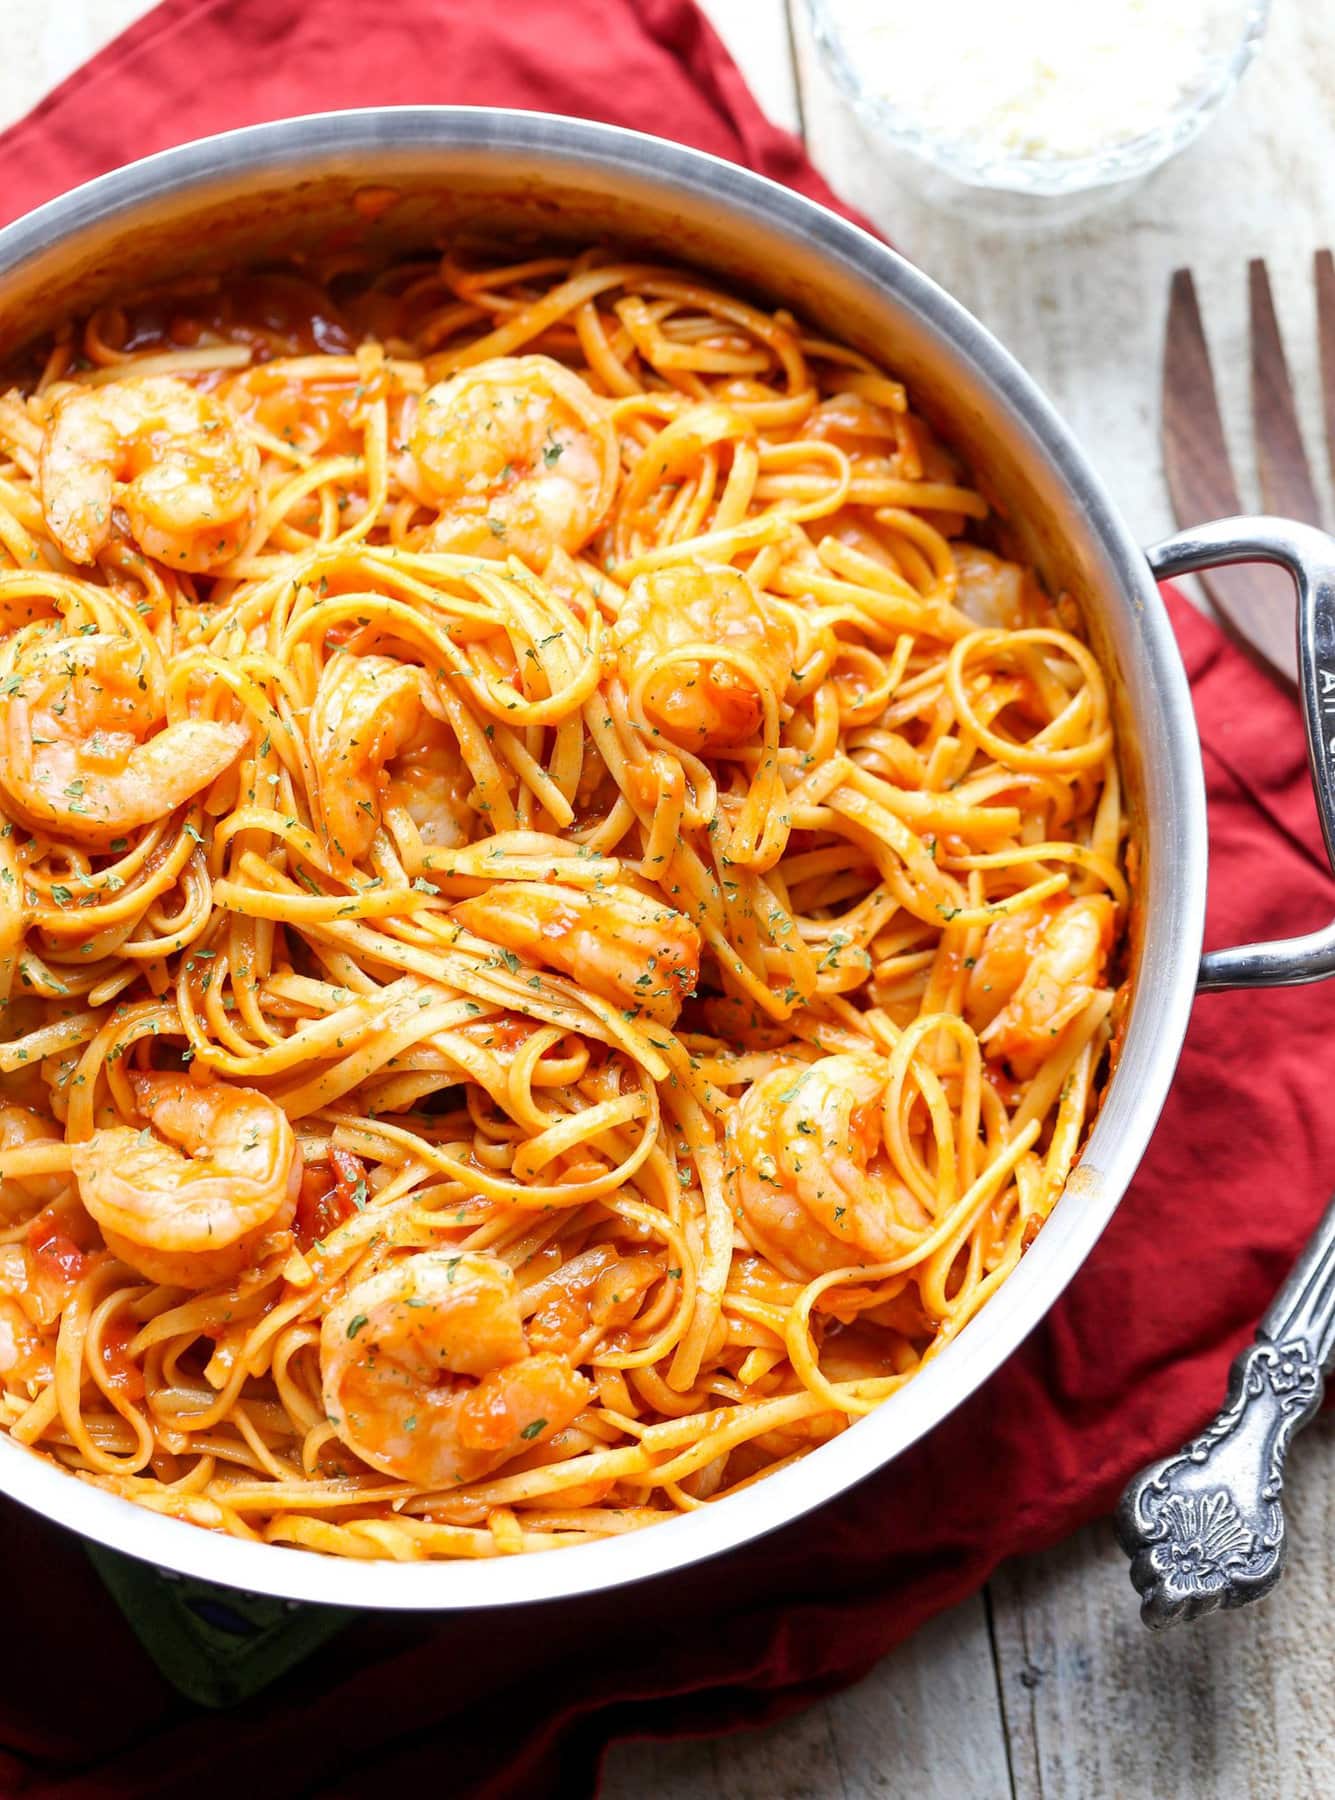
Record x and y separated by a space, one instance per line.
1309 556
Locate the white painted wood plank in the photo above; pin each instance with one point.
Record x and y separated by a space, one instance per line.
1233 1707
46 42
756 33
1083 306
795 1760
927 1721
1237 1706
924 1725
882 1738
1095 1706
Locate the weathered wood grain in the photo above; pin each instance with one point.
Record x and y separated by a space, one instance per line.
1082 305
46 42
1235 1705
925 1725
756 33
1257 603
1094 1706
1085 1702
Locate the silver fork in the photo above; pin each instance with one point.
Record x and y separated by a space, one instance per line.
1255 602
1205 1528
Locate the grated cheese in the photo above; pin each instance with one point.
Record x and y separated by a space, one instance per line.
1054 79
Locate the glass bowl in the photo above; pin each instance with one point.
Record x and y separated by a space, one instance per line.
1013 184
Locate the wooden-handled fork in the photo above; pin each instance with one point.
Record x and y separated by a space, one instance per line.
1205 1527
1254 601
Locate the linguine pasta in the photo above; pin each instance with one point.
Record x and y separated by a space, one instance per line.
556 900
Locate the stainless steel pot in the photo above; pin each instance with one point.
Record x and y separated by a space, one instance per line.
277 188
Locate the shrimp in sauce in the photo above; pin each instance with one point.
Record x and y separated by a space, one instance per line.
699 702
428 1375
173 459
80 751
808 1176
639 953
1037 971
429 784
366 709
989 590
519 456
189 1202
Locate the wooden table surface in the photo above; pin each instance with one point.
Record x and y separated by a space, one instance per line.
1045 1687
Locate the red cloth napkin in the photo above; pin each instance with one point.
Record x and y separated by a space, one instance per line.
522 1703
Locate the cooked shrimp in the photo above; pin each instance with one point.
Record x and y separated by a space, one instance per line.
427 1373
595 1287
14 914
24 1194
701 703
76 754
1036 971
1010 944
810 1183
189 1206
521 457
634 951
24 1353
989 590
430 782
366 708
173 458
29 1320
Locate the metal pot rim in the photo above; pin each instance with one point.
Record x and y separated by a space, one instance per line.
1170 952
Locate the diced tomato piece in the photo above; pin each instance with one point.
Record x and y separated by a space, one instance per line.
348 1174
122 1370
330 1193
54 1253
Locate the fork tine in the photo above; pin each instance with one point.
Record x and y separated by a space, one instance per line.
1281 461
1323 274
1196 461
1254 603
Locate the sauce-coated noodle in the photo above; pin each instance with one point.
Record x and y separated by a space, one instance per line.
556 901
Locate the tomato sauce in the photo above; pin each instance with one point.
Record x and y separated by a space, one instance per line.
330 1193
277 313
55 1255
122 1372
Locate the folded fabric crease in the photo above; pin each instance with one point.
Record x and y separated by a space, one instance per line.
1124 1367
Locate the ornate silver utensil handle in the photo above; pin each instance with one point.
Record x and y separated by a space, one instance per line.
1205 1528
